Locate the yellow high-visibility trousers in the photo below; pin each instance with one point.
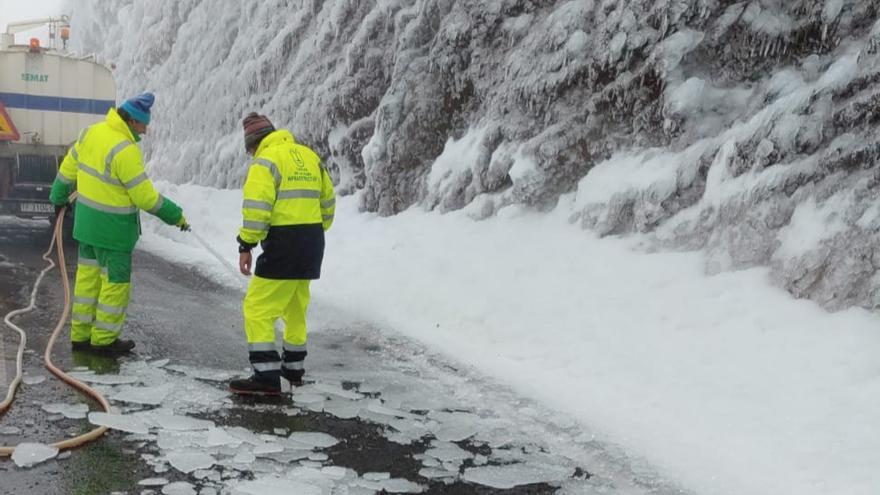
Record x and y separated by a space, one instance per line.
266 301
100 295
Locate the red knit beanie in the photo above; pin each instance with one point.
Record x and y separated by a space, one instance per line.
256 127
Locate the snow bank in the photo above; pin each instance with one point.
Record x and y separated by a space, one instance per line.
723 381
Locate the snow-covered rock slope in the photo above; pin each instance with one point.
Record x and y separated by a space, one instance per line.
746 129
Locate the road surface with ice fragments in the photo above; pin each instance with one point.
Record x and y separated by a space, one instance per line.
379 414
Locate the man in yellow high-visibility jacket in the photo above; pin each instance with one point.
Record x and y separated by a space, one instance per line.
106 168
288 204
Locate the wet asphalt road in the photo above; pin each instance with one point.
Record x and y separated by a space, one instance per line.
176 314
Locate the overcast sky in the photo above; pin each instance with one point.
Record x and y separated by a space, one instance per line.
20 10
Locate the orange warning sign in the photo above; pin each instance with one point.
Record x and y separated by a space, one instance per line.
8 132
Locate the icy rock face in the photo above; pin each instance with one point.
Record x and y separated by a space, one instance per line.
380 89
745 129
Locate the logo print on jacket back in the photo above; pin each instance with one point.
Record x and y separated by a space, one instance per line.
301 173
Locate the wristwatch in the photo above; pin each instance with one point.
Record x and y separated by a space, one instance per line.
244 247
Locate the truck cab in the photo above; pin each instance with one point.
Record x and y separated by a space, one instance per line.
47 97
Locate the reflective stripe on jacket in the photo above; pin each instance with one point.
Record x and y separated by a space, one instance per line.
106 167
288 204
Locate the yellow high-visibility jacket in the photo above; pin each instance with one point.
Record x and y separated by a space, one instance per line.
106 168
288 204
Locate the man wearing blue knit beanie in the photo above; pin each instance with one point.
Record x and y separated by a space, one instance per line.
106 168
137 111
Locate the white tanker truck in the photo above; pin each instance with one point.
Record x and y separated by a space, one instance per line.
47 96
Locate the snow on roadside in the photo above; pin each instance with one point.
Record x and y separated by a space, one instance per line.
725 382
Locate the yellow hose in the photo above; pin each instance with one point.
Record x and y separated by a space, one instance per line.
47 357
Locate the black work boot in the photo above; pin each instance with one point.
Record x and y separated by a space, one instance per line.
295 380
292 368
80 346
255 386
115 348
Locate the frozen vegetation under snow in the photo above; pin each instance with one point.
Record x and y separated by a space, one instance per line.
745 129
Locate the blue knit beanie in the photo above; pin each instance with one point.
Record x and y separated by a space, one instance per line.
139 107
